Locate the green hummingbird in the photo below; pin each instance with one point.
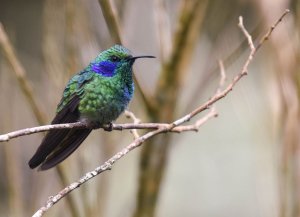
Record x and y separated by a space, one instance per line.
97 96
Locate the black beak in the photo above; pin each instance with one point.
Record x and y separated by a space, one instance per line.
137 57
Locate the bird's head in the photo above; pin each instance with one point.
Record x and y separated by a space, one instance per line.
113 60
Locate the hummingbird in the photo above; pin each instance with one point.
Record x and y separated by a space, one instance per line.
97 95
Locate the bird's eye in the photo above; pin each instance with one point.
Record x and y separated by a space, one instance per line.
115 58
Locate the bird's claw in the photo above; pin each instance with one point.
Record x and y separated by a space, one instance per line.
108 127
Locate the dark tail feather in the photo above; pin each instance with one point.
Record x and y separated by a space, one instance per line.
65 148
65 142
50 142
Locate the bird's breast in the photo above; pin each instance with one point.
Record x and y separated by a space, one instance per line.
105 101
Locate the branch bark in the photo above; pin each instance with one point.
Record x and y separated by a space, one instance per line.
81 125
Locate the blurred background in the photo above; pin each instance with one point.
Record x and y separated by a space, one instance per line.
243 163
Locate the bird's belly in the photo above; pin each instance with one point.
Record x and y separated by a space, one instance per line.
102 108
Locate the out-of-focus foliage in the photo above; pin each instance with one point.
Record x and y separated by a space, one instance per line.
244 163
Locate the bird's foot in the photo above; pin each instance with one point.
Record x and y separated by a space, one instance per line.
96 125
108 127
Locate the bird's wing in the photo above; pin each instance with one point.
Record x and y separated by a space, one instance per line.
53 138
59 144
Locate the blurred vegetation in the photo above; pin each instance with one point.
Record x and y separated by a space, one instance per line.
244 163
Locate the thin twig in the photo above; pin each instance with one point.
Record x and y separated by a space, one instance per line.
222 73
130 114
267 35
246 33
195 127
222 76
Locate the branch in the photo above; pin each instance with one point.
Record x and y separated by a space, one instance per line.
110 16
81 125
163 128
267 35
109 163
134 132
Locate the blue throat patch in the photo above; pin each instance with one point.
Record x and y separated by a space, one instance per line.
104 68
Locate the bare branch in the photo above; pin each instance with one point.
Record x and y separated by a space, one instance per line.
195 127
222 76
267 35
222 73
134 132
81 125
28 131
248 36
